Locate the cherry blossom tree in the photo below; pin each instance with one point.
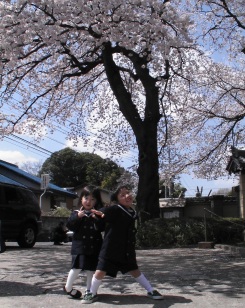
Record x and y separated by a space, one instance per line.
135 71
217 117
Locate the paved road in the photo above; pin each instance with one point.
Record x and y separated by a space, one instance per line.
187 277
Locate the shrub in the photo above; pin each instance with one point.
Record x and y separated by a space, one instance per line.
225 231
60 212
176 232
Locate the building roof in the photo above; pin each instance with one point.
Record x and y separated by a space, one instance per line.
14 169
6 180
171 202
237 161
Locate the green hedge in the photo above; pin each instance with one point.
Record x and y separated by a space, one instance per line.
176 232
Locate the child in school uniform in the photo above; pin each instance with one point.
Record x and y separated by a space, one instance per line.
86 241
118 249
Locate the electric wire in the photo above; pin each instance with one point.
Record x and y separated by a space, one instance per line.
24 147
65 132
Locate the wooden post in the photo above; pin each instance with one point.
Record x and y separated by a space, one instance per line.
205 226
2 242
206 244
242 194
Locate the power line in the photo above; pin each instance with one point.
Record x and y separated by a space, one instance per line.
28 142
65 132
57 127
29 145
25 147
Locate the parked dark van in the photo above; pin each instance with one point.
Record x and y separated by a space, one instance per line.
20 213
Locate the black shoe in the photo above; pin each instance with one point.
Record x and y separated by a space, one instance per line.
57 243
73 293
154 295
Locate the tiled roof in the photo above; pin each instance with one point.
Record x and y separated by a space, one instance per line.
171 202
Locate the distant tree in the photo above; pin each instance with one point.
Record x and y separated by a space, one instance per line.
168 190
32 167
179 191
223 191
66 168
101 172
70 168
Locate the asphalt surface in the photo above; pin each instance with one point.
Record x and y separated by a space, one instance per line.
187 277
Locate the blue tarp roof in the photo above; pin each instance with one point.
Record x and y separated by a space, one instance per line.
34 178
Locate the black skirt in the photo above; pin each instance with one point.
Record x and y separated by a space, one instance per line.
85 263
112 267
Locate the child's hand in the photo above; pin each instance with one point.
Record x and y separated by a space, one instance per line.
81 214
98 213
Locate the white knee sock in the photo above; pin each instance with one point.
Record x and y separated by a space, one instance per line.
72 276
95 285
144 282
89 279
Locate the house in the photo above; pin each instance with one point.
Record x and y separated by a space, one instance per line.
49 198
220 205
236 165
171 207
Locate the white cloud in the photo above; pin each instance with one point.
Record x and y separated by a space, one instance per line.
16 157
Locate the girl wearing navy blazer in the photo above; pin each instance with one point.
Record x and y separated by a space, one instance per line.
86 241
118 249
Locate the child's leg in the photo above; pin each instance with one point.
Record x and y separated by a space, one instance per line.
141 279
73 274
96 281
89 279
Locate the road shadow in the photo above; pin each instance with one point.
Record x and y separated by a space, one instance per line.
12 288
127 299
190 272
17 289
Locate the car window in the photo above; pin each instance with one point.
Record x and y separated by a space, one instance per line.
13 196
28 196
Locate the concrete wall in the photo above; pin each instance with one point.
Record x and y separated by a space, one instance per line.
223 206
195 207
48 224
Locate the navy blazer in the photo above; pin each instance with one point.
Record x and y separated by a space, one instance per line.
87 238
120 234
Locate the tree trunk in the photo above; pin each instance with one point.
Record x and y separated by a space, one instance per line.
148 186
145 131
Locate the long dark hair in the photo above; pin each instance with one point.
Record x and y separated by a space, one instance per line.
95 192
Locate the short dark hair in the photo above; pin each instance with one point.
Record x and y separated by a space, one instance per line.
95 192
114 195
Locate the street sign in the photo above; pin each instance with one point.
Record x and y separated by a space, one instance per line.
44 181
